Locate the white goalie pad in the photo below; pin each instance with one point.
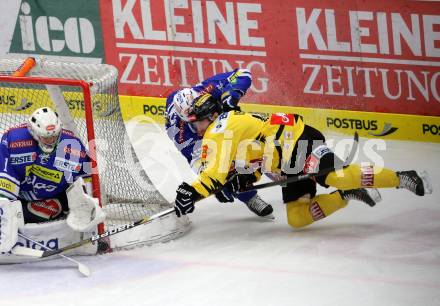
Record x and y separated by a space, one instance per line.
11 219
84 211
54 235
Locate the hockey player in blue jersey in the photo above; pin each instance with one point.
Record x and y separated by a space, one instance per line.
229 88
42 173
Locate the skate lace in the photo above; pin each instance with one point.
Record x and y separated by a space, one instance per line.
257 204
353 196
408 183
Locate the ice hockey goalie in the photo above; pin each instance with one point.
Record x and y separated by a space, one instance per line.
43 168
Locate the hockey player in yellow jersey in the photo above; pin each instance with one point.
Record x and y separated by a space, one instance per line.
281 145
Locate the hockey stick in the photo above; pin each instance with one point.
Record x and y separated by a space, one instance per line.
24 251
83 269
171 210
302 177
111 232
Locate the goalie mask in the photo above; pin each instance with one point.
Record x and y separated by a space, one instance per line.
45 127
183 101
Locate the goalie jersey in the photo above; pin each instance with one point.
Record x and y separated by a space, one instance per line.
26 173
220 86
253 142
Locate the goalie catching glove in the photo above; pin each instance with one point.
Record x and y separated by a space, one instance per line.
185 199
84 211
11 219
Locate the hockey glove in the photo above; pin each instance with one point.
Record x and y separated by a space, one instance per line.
240 183
230 100
224 196
185 199
85 212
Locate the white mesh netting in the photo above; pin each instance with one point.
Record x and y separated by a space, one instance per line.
127 193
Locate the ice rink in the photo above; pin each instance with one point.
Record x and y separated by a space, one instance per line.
386 255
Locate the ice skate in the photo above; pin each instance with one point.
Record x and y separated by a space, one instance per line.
260 208
369 196
416 182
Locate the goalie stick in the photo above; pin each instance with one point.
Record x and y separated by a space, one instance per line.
83 269
148 219
24 251
95 238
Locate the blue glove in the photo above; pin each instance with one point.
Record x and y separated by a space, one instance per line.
185 199
230 100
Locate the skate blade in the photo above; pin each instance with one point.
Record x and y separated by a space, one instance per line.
374 194
426 181
269 217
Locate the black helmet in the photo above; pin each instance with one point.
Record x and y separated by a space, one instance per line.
204 107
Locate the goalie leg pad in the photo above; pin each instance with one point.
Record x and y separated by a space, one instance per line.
55 235
11 219
85 212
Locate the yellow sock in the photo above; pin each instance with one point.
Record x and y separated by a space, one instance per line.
305 211
354 177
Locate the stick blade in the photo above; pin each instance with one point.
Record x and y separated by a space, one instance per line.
23 251
84 270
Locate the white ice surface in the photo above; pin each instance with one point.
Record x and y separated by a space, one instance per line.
386 255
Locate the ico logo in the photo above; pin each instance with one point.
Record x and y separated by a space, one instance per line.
79 33
431 129
50 244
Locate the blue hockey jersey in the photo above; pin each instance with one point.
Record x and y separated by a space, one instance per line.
28 173
228 86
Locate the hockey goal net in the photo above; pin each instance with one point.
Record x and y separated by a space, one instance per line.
86 99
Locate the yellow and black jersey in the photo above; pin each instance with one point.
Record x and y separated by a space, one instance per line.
238 140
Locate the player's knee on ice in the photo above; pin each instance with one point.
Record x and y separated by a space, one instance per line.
306 210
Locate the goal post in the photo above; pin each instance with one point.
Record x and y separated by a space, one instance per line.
86 98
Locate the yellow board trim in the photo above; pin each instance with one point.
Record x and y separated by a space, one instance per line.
367 124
